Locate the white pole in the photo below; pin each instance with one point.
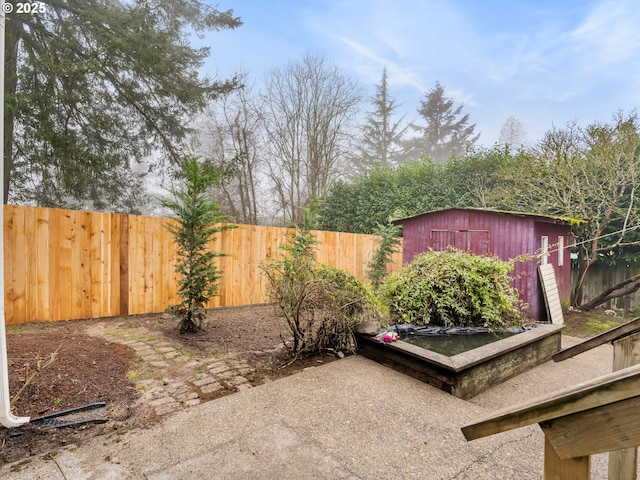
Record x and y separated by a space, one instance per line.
7 419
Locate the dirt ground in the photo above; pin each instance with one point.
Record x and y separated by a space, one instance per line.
75 366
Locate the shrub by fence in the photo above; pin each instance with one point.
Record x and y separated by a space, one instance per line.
68 264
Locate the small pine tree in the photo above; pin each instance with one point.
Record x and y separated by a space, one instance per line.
387 246
198 220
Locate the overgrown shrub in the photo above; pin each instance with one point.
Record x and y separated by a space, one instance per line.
450 288
320 304
344 302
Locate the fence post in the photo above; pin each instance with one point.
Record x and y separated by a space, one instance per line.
123 241
623 463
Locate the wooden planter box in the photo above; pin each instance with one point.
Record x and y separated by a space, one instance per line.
469 373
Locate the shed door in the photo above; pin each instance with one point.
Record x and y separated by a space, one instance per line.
473 241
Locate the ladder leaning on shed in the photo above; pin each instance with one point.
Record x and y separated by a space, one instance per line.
600 415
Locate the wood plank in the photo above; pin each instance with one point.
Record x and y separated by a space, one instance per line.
55 242
160 295
85 263
96 265
136 265
235 262
158 267
162 267
613 387
12 266
252 249
551 295
111 273
170 280
19 252
225 242
31 277
605 337
62 270
113 265
556 468
123 260
608 427
623 464
75 267
626 352
256 242
150 264
106 261
43 230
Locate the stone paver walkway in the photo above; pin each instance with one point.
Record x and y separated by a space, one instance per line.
177 381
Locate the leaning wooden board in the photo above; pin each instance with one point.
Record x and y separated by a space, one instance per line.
551 295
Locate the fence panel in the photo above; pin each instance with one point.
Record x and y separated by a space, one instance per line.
601 277
66 264
57 264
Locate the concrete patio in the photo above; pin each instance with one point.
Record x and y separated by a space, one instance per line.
351 419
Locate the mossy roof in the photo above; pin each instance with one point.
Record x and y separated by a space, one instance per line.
558 218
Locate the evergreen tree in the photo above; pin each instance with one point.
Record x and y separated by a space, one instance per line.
387 245
447 131
198 220
92 86
381 136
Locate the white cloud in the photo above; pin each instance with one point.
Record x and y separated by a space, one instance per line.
609 34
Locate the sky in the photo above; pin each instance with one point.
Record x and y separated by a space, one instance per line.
544 62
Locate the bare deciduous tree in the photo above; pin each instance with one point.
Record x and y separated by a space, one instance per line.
592 174
309 108
231 140
512 134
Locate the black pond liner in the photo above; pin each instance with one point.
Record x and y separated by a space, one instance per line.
452 341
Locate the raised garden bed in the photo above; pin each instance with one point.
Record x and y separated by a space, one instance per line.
468 373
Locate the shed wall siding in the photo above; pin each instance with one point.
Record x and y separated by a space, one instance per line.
506 235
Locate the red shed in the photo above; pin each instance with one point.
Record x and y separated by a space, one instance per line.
505 234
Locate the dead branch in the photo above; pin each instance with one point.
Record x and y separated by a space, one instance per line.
40 366
612 292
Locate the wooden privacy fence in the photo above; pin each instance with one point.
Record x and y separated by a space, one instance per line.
68 264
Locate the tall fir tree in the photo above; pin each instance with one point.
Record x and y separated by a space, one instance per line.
381 136
92 87
447 130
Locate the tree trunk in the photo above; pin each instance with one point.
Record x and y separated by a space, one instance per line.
12 40
578 291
